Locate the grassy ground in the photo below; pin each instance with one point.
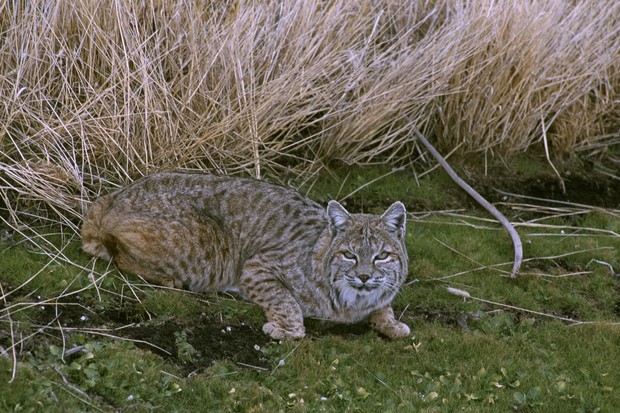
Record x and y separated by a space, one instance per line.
77 335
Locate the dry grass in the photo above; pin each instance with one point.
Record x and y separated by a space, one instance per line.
98 92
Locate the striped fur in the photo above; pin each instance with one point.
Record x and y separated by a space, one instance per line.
278 248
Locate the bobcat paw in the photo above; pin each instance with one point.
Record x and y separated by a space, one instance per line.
277 332
384 322
170 282
393 330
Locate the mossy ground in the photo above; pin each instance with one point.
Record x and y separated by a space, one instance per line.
80 336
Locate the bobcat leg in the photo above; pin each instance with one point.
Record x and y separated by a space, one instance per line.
284 315
384 322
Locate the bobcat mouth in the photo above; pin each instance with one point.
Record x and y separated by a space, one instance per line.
365 287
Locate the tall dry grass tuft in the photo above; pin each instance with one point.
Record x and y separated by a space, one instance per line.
98 92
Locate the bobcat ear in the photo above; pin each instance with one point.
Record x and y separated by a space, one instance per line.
395 218
338 216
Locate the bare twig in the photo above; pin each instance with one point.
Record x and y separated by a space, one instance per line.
615 212
493 266
466 295
608 265
104 333
518 247
546 145
259 368
83 396
282 361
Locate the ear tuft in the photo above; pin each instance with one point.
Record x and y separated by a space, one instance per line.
338 216
395 218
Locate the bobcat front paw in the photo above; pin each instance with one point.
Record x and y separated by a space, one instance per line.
393 330
170 282
384 322
277 332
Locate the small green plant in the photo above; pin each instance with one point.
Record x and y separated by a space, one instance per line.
530 399
185 351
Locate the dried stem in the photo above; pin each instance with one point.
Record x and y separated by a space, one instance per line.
516 240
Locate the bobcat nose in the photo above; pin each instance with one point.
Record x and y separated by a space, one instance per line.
363 278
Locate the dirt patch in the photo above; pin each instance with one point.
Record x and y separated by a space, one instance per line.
319 328
193 345
582 184
196 346
602 192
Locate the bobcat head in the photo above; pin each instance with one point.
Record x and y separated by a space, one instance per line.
367 259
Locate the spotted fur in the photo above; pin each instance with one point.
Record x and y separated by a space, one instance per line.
279 249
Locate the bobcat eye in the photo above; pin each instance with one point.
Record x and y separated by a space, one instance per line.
382 256
349 255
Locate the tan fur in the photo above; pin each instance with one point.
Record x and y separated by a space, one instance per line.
278 248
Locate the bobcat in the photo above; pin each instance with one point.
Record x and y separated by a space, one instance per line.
276 247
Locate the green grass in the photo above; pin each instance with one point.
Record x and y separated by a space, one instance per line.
463 354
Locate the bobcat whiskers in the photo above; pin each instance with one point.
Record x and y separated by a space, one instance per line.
352 293
365 284
357 298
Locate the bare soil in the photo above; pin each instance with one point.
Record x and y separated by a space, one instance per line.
211 340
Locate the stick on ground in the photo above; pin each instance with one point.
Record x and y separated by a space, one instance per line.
516 240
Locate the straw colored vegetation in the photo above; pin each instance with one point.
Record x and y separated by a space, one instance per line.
96 93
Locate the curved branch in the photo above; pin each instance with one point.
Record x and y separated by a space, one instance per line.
518 246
